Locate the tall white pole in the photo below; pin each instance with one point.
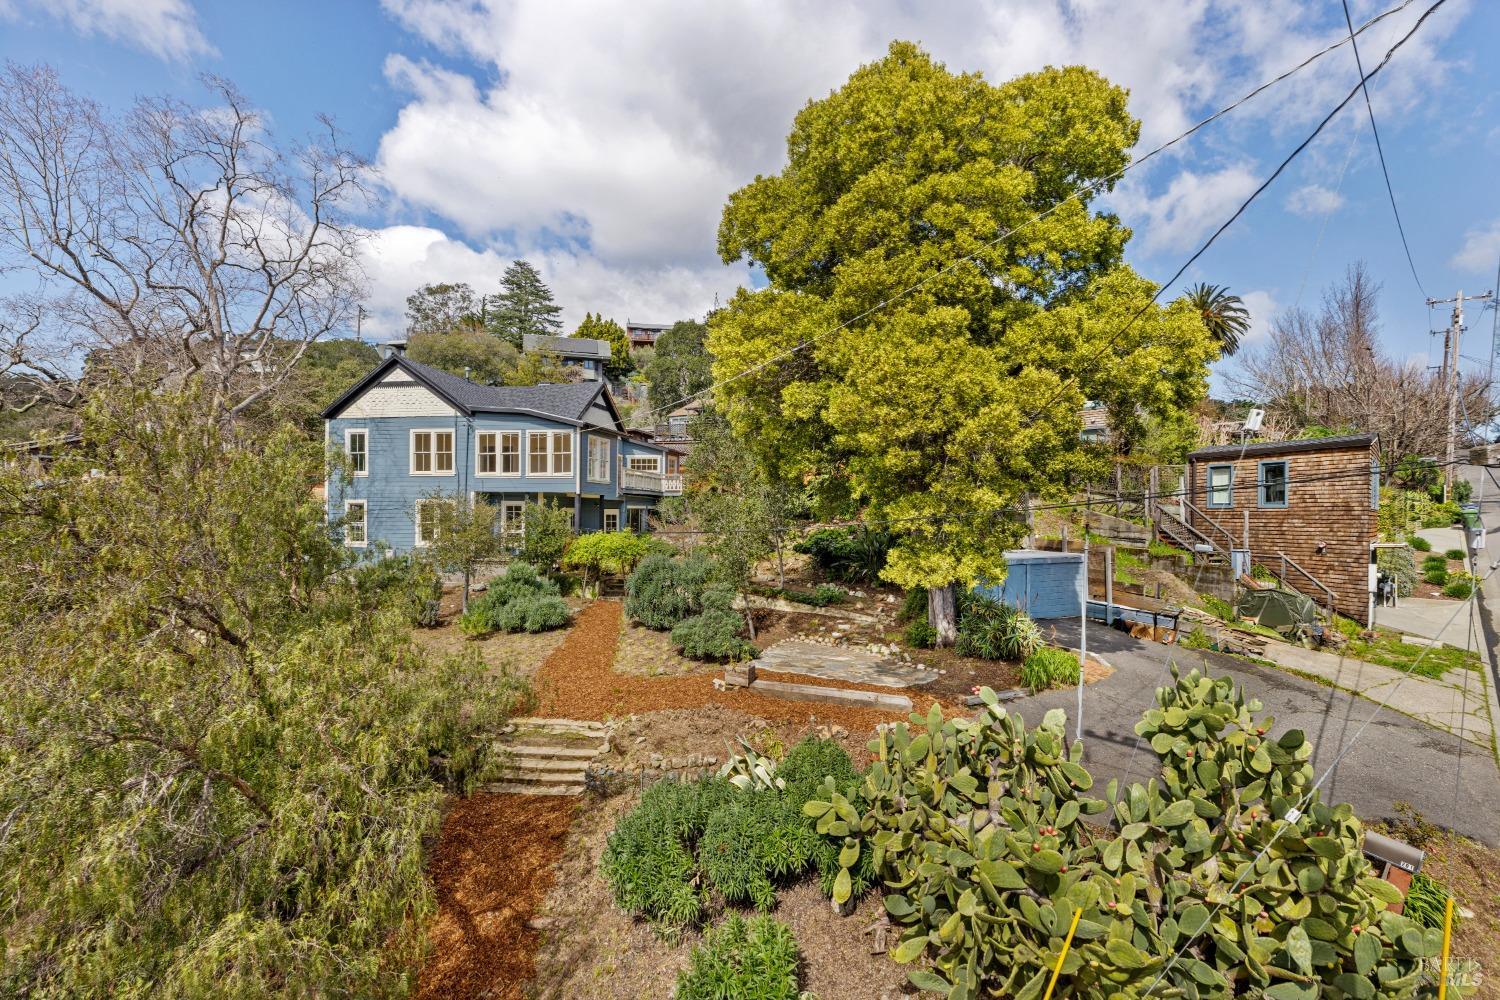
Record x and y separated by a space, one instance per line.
1083 630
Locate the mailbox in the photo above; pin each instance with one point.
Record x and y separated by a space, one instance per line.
1394 861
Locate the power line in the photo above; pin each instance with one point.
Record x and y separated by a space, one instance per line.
1109 345
1358 65
1081 192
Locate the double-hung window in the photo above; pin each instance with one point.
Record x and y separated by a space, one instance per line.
432 453
513 520
1220 486
357 448
598 459
356 523
549 453
427 522
1272 486
497 453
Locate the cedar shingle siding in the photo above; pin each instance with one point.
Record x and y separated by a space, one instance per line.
1330 500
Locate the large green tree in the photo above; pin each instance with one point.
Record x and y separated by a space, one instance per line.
523 305
680 364
470 353
441 307
937 410
598 328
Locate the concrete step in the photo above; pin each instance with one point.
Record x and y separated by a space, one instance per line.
534 766
573 752
572 725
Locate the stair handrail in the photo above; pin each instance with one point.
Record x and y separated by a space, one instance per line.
1286 561
1170 523
1212 524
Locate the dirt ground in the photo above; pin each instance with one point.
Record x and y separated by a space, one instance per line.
646 652
592 950
492 867
1471 872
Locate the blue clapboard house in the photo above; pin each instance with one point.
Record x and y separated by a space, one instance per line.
411 432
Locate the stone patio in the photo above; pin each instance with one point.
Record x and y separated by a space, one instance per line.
839 663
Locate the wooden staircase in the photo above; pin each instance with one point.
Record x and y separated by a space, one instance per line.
548 756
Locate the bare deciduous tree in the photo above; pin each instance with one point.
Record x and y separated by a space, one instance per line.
1327 369
170 242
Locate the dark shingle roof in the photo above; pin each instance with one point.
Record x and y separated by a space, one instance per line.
568 347
567 400
1284 447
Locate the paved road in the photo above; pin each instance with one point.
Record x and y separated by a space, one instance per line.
1396 758
1489 604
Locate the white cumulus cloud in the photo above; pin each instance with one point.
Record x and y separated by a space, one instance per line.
1314 199
168 29
1480 249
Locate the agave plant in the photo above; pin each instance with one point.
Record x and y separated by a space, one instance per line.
748 770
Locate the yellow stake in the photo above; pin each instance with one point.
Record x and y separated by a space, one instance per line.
1057 969
1447 936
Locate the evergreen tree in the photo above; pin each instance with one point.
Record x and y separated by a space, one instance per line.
524 305
680 365
440 308
593 327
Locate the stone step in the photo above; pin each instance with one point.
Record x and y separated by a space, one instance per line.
539 750
533 765
832 695
519 788
579 725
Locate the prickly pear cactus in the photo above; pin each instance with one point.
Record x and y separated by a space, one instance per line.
976 830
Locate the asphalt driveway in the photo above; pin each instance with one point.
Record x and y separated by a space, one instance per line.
1396 759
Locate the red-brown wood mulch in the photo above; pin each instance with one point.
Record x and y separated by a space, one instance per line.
578 681
492 868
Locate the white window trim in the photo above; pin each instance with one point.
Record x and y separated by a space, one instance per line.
598 439
349 433
365 504
551 453
506 531
411 450
500 472
417 524
645 517
611 513
655 461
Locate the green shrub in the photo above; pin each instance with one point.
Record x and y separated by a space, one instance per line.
517 601
609 551
546 530
754 959
992 630
648 859
1455 555
752 841
805 765
1049 667
1436 576
713 635
913 606
854 555
664 591
1459 585
1419 543
1434 561
921 635
1400 565
1463 491
1196 639
1427 902
404 582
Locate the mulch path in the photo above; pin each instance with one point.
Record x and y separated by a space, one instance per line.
578 681
493 866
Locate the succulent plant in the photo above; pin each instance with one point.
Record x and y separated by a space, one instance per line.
748 770
1210 885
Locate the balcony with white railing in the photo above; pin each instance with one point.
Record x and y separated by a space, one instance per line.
640 480
671 484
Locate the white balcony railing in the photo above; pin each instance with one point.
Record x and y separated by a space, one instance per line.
671 483
640 480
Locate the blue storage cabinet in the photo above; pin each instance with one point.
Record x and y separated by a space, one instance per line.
1043 584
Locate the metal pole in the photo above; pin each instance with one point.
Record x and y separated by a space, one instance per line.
1450 386
1109 585
1083 634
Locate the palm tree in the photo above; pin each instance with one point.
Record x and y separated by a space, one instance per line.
1225 315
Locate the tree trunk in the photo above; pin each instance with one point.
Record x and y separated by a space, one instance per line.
463 604
750 622
942 614
780 567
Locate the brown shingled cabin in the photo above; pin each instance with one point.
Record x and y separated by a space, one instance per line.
1308 506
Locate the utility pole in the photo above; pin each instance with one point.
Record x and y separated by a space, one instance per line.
1451 381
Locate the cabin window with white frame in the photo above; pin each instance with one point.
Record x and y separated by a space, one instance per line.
432 453
562 453
611 520
498 453
357 448
644 463
598 459
427 521
1221 486
356 523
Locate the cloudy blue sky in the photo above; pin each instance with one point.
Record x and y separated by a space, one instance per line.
600 139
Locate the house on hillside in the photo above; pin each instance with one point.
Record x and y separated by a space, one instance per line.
410 432
644 334
584 353
1305 510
